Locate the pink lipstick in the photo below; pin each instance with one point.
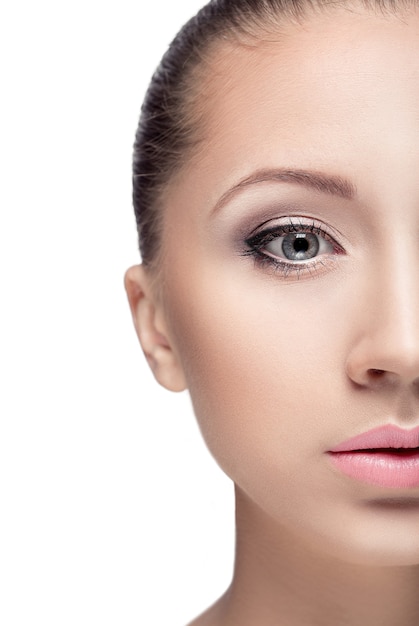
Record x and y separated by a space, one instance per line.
387 456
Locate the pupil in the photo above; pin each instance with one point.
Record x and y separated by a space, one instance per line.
301 245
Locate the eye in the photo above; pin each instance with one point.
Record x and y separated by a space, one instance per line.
294 246
298 246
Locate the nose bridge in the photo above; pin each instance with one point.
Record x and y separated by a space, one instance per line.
397 297
389 316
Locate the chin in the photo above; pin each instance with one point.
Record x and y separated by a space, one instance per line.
386 545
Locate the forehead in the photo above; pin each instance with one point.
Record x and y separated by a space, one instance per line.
338 92
354 44
306 80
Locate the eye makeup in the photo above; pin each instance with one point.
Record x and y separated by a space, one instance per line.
293 247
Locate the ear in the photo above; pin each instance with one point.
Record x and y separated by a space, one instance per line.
147 314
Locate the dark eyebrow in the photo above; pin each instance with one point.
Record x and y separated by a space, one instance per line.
325 183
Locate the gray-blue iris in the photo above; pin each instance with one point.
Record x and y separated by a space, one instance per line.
300 246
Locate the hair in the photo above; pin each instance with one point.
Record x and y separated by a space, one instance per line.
168 126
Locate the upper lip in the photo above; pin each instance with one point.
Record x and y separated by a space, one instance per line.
388 436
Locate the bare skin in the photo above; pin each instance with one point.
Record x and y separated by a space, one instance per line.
285 360
310 591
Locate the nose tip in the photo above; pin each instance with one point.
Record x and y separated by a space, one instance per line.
376 363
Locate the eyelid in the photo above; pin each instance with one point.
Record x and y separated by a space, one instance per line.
292 225
259 237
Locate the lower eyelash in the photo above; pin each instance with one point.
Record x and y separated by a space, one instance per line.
285 268
263 260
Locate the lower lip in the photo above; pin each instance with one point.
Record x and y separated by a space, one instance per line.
386 469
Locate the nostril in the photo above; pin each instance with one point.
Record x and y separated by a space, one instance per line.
376 377
374 373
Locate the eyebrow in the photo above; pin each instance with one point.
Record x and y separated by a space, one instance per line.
325 183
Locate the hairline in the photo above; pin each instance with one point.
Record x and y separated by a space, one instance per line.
249 33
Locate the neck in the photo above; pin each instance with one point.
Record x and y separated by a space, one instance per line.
280 580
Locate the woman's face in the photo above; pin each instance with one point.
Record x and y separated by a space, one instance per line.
285 294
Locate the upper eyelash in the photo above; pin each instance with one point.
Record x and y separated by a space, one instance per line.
256 243
279 230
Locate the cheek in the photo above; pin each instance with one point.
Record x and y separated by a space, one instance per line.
255 354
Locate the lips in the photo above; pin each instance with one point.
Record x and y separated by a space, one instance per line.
388 437
387 456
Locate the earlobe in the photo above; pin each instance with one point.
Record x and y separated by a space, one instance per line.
149 323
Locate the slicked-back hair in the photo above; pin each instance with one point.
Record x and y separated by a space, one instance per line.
167 128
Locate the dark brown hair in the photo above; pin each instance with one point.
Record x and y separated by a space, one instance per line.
167 129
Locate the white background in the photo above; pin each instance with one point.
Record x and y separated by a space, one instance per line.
111 509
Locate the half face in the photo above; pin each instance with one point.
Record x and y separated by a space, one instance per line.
291 274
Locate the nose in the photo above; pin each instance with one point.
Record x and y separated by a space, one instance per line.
385 349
